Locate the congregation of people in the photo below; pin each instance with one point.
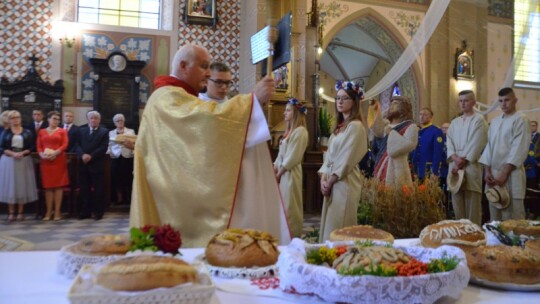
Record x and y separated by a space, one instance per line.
51 140
183 124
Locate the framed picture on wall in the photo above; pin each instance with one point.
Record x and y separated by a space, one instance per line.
464 66
201 12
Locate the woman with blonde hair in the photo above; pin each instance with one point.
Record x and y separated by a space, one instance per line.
288 164
51 145
17 177
4 123
340 175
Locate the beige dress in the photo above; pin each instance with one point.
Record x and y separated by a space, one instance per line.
345 150
291 152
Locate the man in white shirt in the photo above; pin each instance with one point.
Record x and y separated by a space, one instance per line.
219 83
508 142
466 138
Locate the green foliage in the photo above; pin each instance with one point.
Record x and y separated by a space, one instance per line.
365 214
325 122
368 243
322 255
378 270
311 237
142 240
443 264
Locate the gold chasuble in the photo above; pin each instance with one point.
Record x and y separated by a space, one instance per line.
187 162
188 157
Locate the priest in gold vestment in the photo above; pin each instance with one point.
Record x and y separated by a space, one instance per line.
196 167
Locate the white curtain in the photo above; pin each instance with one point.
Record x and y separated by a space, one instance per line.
511 72
431 20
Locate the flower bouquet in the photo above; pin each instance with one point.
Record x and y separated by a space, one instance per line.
156 238
416 274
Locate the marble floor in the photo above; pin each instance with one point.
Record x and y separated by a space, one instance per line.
32 234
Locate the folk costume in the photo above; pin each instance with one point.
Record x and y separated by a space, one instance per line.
196 169
467 137
291 152
508 142
345 150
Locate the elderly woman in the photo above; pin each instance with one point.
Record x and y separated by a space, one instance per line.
17 177
340 175
288 164
51 145
121 160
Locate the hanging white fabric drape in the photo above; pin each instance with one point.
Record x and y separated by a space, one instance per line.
511 72
416 46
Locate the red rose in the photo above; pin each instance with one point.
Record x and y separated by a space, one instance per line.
167 239
148 228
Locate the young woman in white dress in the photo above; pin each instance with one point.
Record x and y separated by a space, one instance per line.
288 164
340 175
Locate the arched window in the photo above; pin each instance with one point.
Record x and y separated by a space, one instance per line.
134 13
527 43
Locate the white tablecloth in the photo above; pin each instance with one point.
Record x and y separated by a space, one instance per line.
30 277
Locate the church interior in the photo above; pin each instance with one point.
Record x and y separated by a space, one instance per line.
67 44
89 55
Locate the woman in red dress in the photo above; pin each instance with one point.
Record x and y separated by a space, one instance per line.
51 146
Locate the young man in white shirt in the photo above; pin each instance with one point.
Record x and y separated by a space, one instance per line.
508 142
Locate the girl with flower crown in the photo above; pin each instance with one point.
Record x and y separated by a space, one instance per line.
340 175
288 164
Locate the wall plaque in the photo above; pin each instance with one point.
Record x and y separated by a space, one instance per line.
117 88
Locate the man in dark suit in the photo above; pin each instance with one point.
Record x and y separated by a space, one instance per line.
37 124
72 131
91 147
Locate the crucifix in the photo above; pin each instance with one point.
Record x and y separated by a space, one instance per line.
34 59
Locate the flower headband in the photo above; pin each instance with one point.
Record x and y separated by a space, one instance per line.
301 108
349 85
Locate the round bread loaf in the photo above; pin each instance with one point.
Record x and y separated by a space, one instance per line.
104 244
361 233
462 233
521 227
242 248
145 272
505 264
533 246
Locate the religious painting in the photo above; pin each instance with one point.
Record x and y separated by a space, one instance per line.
202 12
464 63
282 78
